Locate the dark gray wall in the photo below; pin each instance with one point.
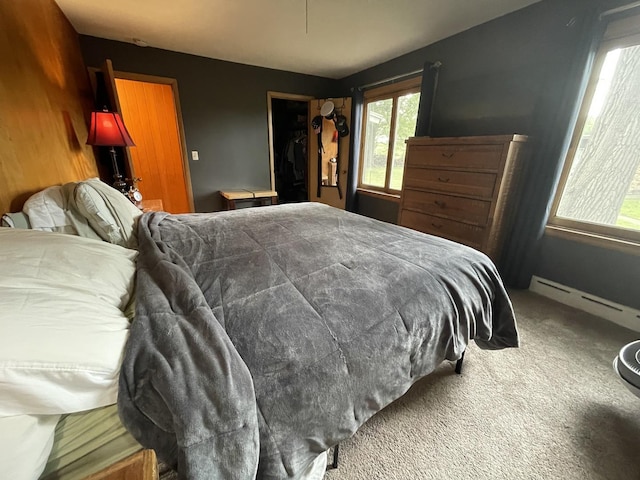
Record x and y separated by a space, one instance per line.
502 77
609 274
376 207
224 109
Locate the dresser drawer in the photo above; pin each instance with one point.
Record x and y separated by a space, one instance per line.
458 232
471 157
456 208
451 181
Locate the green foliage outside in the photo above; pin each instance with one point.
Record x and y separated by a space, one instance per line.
378 138
375 176
629 216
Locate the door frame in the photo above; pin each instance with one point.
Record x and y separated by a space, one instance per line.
181 136
281 96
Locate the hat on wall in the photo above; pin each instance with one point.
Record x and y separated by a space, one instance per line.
327 109
316 124
341 125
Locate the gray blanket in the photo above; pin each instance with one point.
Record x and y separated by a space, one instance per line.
264 336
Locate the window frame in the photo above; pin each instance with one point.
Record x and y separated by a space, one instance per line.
386 92
593 233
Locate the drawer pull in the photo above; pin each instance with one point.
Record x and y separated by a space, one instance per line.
439 203
447 155
436 225
444 180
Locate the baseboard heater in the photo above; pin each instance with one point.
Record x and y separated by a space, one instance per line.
622 315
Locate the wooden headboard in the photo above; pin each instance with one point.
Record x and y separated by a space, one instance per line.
45 102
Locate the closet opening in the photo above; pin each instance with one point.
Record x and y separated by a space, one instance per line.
288 139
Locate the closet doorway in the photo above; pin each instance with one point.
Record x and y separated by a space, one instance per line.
288 117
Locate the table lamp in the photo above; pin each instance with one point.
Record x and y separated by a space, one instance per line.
108 130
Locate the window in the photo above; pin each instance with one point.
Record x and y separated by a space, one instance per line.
390 115
600 188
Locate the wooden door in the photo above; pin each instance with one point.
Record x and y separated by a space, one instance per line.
150 113
328 194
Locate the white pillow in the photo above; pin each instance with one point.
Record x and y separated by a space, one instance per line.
111 215
47 211
62 330
94 209
25 444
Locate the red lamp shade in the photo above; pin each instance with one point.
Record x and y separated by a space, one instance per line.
107 129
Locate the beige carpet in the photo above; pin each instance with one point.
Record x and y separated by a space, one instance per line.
552 409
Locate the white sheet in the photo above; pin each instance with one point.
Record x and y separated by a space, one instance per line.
25 445
62 326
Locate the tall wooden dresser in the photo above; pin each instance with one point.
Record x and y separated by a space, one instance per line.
463 188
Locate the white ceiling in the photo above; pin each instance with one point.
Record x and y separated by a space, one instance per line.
329 38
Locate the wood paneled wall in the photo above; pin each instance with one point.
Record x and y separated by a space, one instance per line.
45 100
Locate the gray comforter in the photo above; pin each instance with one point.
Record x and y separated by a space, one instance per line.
264 336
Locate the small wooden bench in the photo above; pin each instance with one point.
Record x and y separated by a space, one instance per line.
265 197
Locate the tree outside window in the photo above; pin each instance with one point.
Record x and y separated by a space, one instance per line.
601 188
390 118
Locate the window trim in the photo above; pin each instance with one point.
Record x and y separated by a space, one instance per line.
391 91
605 235
590 238
392 197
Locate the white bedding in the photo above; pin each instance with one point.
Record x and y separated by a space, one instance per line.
47 211
90 208
62 326
25 444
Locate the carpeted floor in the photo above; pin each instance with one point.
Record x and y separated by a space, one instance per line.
552 409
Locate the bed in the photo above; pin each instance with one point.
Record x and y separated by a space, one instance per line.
264 336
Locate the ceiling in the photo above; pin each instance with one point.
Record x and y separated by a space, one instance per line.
329 38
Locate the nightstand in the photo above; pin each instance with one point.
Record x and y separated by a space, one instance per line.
153 205
139 466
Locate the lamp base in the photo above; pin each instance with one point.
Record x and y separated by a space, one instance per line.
118 183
